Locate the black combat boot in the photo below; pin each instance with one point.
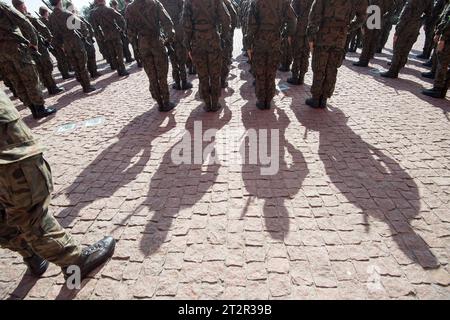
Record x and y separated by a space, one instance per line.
261 105
36 265
215 104
176 85
428 75
123 73
284 68
361 64
323 102
94 256
268 105
68 76
95 75
389 74
139 65
54 90
185 85
313 102
89 89
166 107
294 81
428 64
422 56
42 112
438 93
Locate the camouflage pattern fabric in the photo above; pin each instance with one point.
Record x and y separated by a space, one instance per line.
227 41
300 46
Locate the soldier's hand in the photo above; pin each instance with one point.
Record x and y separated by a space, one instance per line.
441 46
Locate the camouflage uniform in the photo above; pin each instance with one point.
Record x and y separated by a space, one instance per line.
407 31
90 49
26 226
371 36
265 23
328 25
178 57
133 42
73 43
430 25
227 41
15 57
146 19
286 52
202 20
388 22
300 44
109 24
244 9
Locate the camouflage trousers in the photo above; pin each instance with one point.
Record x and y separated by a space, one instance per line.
178 59
103 50
135 46
264 66
402 47
370 44
44 65
286 54
156 66
62 61
384 34
115 53
91 59
126 49
7 82
208 62
227 55
443 60
26 226
19 68
78 59
300 49
325 64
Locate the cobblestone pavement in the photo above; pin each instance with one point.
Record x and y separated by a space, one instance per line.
360 207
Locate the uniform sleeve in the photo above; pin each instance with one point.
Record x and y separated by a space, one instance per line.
166 22
24 25
252 24
187 24
290 19
42 29
96 26
360 15
315 19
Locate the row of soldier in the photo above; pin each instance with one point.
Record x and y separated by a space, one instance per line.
202 32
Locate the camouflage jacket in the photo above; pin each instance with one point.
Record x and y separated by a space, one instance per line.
67 29
202 21
174 8
43 33
331 20
15 27
16 140
266 21
107 23
147 19
442 28
302 9
411 17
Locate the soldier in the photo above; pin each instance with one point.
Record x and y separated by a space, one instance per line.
26 226
109 25
300 44
147 20
265 22
286 51
328 25
44 64
371 35
388 22
58 52
202 20
125 43
227 52
406 33
430 25
133 41
178 54
72 40
17 64
442 38
90 50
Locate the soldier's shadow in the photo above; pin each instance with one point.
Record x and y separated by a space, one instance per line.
117 165
370 180
174 186
284 180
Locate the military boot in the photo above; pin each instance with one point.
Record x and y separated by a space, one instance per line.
94 256
36 265
95 75
186 85
54 90
428 64
68 76
89 89
215 104
438 93
389 74
323 102
313 102
284 68
268 105
428 75
166 107
123 73
176 85
261 105
42 112
422 56
294 81
361 64
224 84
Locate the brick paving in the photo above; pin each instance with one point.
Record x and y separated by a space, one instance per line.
360 207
